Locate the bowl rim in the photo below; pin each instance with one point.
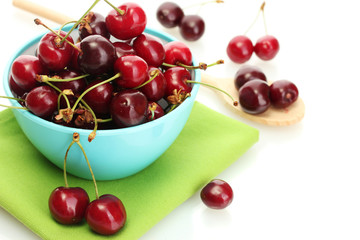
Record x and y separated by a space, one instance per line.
48 124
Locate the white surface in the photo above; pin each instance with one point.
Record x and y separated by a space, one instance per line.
297 182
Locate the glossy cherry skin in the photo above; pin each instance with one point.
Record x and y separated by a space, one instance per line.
176 51
42 101
283 93
74 65
133 70
169 14
76 86
128 108
106 215
150 48
99 98
217 194
154 90
68 204
98 55
192 27
24 70
176 78
128 25
254 96
240 49
97 25
154 111
266 47
15 89
246 73
123 48
53 55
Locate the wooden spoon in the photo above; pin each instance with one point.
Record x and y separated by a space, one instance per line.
273 116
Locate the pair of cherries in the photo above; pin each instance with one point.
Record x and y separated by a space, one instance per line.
256 95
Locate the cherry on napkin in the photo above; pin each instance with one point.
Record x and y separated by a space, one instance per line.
209 143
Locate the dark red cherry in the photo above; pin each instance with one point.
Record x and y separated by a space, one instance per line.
42 101
98 55
176 78
267 47
99 98
15 89
128 25
240 49
154 111
133 70
254 96
154 90
123 48
93 24
177 52
68 204
192 27
76 86
246 73
217 194
150 48
54 54
128 108
283 93
169 14
24 70
74 59
106 215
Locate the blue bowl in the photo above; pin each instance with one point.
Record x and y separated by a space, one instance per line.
113 154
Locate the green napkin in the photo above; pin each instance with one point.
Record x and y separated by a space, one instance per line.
209 143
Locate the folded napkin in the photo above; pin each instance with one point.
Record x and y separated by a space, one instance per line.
209 143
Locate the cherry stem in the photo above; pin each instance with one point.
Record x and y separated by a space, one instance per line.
93 133
202 66
38 22
45 78
76 138
66 154
13 107
256 18
61 94
62 26
235 103
263 15
13 98
94 86
78 22
153 75
121 12
104 120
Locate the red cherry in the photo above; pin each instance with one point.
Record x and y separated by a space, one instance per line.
150 48
106 215
267 47
240 49
217 194
128 25
177 52
74 64
24 70
53 54
246 73
254 96
176 80
169 14
283 93
99 98
154 111
96 26
154 90
133 70
42 101
76 86
123 48
192 27
15 89
68 204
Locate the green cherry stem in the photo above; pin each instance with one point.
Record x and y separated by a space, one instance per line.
45 78
65 159
93 133
12 98
202 66
153 75
121 12
61 94
263 16
256 18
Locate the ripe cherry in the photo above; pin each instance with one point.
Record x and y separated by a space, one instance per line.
154 90
123 48
128 108
93 24
240 49
267 47
15 89
217 194
133 70
177 52
283 93
129 24
192 27
74 64
68 204
99 98
76 86
42 101
154 111
254 96
54 54
24 70
169 14
106 215
150 48
246 73
98 55
176 78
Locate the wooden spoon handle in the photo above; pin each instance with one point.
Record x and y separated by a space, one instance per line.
42 11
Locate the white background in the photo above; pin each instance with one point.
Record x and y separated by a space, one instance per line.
297 182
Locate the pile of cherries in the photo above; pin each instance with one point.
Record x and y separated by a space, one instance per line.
255 93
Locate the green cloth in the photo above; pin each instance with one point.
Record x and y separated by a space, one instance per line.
209 143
